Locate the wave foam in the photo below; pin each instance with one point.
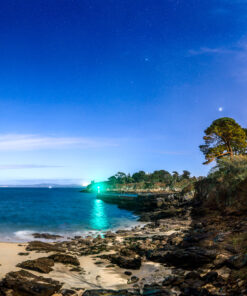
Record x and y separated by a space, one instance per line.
24 235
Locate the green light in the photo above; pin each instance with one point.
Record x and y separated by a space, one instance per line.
99 219
98 187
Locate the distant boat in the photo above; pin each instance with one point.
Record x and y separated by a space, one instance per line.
50 187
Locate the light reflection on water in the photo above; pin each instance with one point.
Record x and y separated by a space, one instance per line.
99 220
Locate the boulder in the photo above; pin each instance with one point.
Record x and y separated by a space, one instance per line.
42 265
65 259
237 261
43 247
126 262
24 283
210 277
190 258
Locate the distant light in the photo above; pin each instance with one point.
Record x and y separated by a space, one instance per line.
220 109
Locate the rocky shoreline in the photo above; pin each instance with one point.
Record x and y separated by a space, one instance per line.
180 251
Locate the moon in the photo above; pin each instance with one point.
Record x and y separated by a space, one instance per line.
220 109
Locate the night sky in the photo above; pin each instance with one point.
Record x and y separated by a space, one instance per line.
89 88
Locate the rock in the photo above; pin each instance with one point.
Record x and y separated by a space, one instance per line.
76 269
23 254
224 272
210 277
93 248
189 291
169 280
190 258
157 255
124 261
67 292
128 272
43 247
220 260
162 214
99 262
237 261
24 283
194 275
133 279
110 234
156 290
103 292
42 265
46 235
65 259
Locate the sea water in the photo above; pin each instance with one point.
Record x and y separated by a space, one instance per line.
63 211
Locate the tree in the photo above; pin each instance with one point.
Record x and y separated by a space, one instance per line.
139 177
224 137
185 175
112 180
121 177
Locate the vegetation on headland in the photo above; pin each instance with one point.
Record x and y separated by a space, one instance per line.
225 142
144 182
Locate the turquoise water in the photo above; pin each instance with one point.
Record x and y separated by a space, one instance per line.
64 211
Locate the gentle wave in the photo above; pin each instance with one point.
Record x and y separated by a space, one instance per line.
63 211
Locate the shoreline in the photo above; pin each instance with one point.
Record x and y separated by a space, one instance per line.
97 273
178 251
28 235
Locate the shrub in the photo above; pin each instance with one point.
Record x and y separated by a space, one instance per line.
226 184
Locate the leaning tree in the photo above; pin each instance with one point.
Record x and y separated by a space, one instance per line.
224 137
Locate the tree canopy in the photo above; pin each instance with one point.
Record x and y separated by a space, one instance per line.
224 137
158 176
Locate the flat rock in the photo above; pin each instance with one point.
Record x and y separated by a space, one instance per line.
46 235
24 283
42 265
43 247
65 259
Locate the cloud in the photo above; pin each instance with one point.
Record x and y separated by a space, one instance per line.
35 142
26 166
208 50
235 58
41 182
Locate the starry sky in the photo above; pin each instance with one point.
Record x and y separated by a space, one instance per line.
92 87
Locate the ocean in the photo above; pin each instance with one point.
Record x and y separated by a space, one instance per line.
63 211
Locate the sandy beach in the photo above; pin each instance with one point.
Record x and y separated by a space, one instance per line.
95 273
